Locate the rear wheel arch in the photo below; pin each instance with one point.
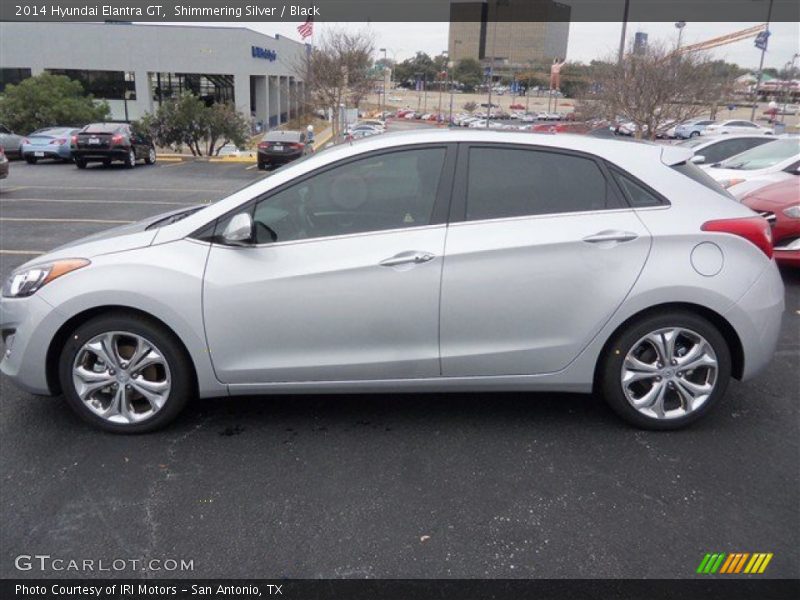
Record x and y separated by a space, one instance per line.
60 338
718 321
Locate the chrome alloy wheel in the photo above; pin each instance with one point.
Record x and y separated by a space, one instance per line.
669 373
151 155
121 377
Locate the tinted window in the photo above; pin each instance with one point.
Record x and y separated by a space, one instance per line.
510 182
386 191
102 128
727 148
283 136
638 195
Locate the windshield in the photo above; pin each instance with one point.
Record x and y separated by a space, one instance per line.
763 157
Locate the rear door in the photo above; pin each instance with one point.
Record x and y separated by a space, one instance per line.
540 252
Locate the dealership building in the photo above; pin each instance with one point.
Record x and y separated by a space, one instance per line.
135 67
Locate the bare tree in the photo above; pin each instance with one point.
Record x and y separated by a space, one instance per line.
337 70
656 87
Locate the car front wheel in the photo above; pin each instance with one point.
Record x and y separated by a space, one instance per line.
151 156
666 371
125 373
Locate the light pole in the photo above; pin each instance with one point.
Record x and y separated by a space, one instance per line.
761 62
624 31
679 26
442 83
383 82
450 65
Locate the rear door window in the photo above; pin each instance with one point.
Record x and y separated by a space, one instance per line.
516 182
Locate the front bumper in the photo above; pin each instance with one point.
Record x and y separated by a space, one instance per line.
757 319
28 326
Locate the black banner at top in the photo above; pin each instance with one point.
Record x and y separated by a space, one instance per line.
401 10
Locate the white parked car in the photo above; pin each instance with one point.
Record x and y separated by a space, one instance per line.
711 150
751 170
477 123
736 126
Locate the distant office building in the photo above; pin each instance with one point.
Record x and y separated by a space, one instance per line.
639 42
514 32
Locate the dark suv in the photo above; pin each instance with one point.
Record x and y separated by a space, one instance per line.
104 142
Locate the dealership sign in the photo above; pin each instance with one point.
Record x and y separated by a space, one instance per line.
264 53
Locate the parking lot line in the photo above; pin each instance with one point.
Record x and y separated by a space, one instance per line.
22 252
174 163
125 202
121 189
44 220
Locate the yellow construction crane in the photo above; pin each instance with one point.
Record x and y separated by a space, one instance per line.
722 40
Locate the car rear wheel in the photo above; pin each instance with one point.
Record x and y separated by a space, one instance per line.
125 374
694 134
666 371
31 160
80 163
130 160
151 156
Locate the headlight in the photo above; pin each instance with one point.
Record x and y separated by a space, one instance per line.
27 281
793 212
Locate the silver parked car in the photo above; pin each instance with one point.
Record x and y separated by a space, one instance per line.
436 260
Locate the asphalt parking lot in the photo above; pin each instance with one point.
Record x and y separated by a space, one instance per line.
406 486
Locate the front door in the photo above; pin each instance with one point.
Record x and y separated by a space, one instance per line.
343 280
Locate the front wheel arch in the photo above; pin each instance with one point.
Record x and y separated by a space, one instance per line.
726 330
60 338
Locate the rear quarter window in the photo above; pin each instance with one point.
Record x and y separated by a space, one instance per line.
694 172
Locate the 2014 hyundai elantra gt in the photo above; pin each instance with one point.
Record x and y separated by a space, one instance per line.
429 261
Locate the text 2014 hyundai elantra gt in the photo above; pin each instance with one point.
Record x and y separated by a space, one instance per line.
448 260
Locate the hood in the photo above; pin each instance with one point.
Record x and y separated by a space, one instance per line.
116 239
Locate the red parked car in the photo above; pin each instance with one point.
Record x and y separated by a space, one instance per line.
779 203
517 107
561 127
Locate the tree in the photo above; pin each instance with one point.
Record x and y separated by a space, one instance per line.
48 100
224 125
655 88
470 106
469 73
186 120
337 71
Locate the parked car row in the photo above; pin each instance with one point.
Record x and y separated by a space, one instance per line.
694 128
96 142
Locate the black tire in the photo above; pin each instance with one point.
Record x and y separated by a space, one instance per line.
176 357
262 166
150 159
31 160
694 134
130 160
80 163
617 349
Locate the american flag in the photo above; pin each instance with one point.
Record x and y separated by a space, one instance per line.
307 28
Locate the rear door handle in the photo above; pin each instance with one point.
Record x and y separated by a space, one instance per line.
611 236
407 258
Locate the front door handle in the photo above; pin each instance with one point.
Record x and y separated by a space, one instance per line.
611 236
407 258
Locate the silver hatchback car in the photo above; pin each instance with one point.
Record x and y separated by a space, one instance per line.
430 261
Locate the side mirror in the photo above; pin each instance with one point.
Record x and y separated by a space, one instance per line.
698 159
239 231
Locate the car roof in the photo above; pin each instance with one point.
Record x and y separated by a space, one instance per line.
603 147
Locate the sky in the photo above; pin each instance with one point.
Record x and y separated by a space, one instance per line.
586 40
